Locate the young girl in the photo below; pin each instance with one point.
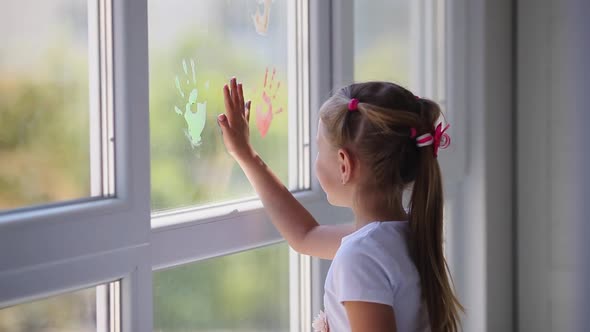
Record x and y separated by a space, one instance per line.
374 140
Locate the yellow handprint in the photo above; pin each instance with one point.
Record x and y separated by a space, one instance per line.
261 19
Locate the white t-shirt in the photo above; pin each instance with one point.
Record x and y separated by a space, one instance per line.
373 265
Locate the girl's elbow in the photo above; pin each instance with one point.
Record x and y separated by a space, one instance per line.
298 247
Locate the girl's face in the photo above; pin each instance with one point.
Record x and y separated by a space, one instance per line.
328 167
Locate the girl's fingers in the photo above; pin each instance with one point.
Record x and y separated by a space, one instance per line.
234 94
222 121
248 104
228 103
241 97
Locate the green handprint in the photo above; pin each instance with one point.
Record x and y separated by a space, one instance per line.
194 120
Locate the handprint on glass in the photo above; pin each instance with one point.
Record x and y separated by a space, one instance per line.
264 112
195 120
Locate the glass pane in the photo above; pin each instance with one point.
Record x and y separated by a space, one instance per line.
195 48
382 41
244 292
44 102
71 312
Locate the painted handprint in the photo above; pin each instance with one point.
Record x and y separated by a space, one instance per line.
264 117
195 120
261 19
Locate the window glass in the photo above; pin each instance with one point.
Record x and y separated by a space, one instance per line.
382 41
44 102
71 312
244 292
195 47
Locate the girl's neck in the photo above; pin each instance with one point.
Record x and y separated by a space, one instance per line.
364 216
369 204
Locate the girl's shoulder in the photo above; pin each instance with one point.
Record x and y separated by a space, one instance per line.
375 253
375 238
378 235
374 261
379 244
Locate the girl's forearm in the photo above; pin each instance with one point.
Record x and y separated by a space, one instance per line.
290 218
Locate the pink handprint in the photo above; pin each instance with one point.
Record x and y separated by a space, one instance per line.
264 118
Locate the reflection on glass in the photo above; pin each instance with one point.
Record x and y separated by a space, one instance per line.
244 292
44 102
71 312
382 41
195 48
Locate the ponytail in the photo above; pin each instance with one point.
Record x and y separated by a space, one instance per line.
426 246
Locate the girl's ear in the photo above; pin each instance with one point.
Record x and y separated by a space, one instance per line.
346 165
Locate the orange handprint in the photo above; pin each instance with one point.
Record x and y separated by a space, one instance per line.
264 118
261 19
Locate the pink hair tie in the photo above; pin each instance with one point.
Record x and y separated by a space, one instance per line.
353 104
424 140
439 139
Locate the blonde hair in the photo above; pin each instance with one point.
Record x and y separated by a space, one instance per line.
379 133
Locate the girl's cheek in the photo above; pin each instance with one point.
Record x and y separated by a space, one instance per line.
320 173
315 163
318 166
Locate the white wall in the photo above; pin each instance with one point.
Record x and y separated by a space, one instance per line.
553 164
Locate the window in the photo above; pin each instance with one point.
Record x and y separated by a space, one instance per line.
143 83
195 48
248 291
406 42
382 41
75 311
403 42
45 133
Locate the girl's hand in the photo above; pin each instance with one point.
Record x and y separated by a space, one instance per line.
234 122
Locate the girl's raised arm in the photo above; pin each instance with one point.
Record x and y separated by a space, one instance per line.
291 219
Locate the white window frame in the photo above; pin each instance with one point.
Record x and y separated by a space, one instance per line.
51 250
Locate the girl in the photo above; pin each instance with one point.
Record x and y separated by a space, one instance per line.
374 140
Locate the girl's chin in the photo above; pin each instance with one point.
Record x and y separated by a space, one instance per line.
329 199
